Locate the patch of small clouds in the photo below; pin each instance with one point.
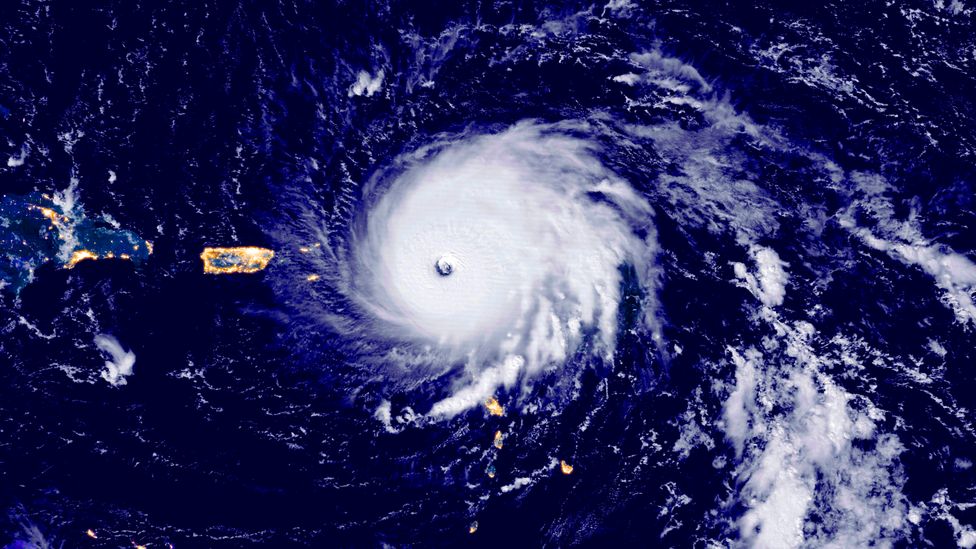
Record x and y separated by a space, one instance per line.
367 84
768 282
668 73
119 362
484 386
17 161
902 240
813 468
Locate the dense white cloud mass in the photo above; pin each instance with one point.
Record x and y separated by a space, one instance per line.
502 251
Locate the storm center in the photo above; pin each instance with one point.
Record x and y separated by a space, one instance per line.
445 265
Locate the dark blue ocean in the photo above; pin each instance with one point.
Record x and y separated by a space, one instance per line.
772 206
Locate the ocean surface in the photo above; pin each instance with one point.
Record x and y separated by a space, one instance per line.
650 274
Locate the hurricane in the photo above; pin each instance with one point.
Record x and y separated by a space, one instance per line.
501 252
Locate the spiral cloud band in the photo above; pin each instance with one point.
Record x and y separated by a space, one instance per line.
503 253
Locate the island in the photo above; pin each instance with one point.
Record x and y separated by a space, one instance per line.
241 259
36 229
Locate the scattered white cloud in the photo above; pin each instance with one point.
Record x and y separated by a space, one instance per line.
670 72
16 161
795 429
619 7
942 507
768 283
366 84
902 239
518 483
119 363
484 386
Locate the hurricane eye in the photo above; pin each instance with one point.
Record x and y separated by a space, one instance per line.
445 265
